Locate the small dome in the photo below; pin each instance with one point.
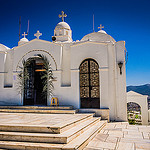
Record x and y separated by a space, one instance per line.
102 31
23 41
100 36
63 25
3 47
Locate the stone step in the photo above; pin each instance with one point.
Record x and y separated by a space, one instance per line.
45 111
38 107
62 138
36 122
78 143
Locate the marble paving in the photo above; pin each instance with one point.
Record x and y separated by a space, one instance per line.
32 119
121 136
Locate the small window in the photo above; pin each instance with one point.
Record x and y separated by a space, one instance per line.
60 32
66 32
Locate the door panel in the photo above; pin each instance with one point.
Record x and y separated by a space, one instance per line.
89 84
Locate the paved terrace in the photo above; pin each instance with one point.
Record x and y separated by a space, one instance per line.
121 136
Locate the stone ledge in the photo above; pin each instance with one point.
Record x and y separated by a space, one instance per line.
103 113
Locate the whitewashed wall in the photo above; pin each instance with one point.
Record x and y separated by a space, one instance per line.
141 100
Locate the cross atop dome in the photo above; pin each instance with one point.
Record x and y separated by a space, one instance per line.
24 34
38 34
101 27
62 16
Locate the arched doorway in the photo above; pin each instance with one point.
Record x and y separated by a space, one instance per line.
134 113
34 80
89 84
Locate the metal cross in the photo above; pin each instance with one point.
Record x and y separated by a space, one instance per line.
101 27
38 34
24 34
62 16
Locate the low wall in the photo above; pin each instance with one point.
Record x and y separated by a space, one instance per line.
103 113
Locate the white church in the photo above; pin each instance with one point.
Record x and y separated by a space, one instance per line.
89 73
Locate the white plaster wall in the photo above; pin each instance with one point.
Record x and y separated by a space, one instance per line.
7 95
82 51
36 44
111 81
104 84
10 96
142 101
98 52
67 95
8 69
121 102
66 72
2 59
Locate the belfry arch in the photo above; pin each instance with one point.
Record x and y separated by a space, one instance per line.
89 84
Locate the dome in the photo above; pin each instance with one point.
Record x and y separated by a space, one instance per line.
23 41
62 25
3 47
100 36
102 31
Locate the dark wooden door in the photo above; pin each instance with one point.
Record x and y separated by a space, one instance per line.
33 88
29 93
89 84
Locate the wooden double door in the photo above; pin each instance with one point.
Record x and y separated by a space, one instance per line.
89 84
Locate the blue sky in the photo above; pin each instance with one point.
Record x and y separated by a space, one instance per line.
127 20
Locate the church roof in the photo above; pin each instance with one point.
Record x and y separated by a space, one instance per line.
3 47
100 36
62 25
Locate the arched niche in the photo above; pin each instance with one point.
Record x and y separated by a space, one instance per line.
89 84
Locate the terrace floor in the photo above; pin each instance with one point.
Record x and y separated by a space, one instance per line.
121 136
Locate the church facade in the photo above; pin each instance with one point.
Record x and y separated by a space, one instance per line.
89 73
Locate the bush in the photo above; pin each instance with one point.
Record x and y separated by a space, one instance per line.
131 121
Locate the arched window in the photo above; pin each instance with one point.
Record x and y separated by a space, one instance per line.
89 84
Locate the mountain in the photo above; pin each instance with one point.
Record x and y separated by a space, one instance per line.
142 89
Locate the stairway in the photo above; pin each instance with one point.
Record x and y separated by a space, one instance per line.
38 131
38 109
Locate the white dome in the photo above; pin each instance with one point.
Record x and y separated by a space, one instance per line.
101 36
102 31
63 25
3 47
24 40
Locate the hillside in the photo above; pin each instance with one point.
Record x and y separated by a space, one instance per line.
142 89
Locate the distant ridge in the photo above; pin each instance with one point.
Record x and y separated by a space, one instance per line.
142 89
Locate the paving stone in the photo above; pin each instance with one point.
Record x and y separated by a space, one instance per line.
116 134
100 137
139 136
106 145
135 140
111 139
145 135
92 148
125 146
122 126
145 146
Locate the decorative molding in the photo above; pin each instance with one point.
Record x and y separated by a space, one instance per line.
85 42
35 51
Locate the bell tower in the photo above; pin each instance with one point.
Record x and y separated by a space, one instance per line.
62 32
